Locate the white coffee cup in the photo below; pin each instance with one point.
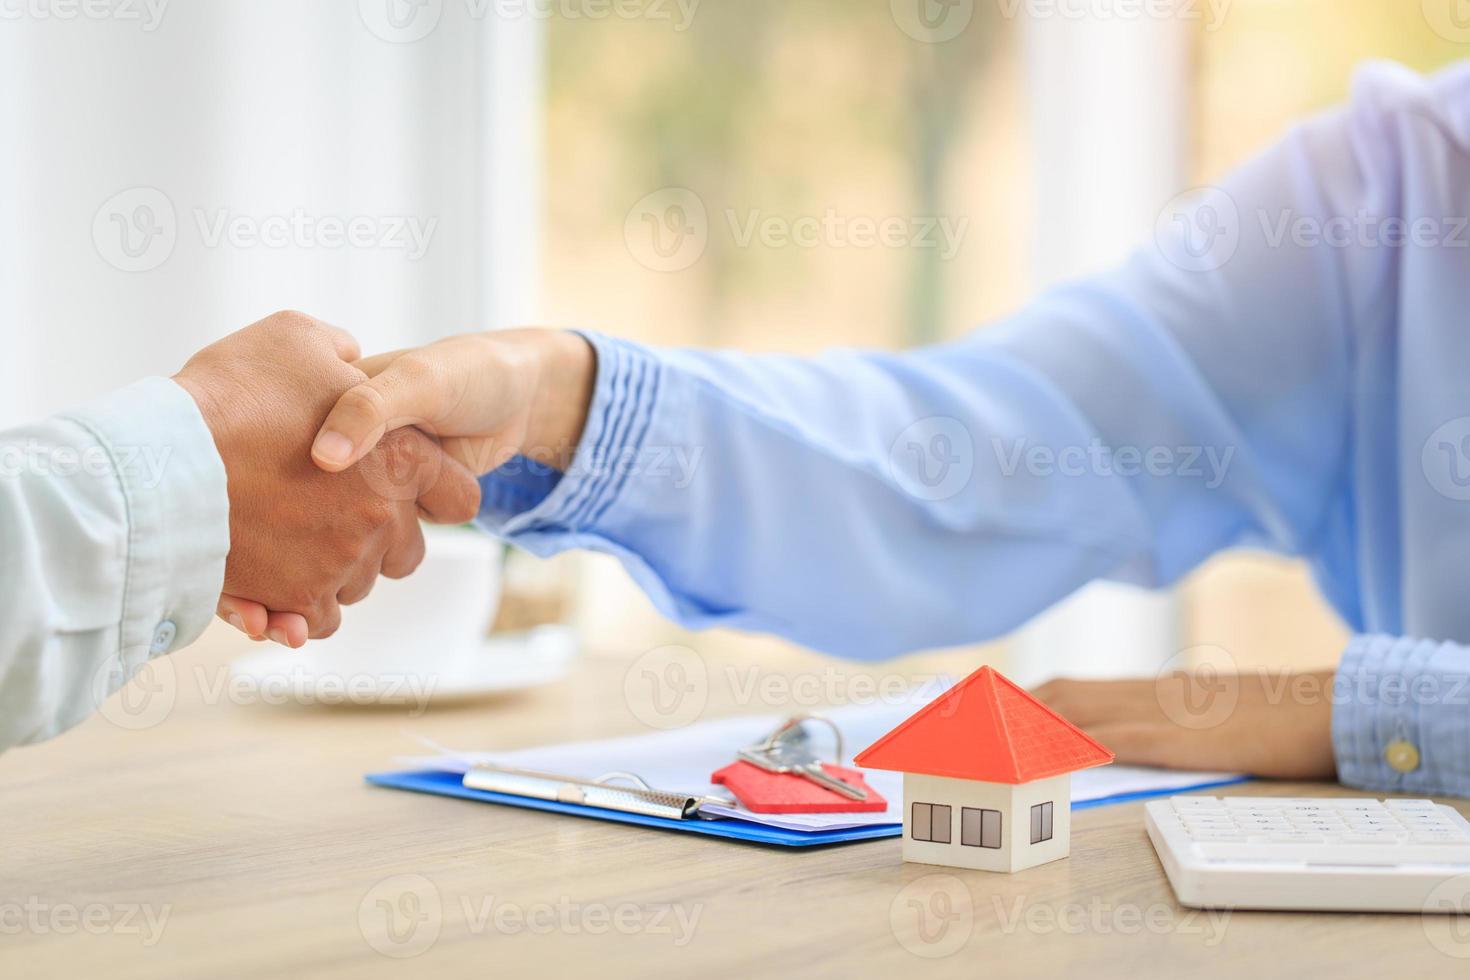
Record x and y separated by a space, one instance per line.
425 627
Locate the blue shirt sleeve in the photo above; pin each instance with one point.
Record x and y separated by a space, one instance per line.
1229 385
1401 716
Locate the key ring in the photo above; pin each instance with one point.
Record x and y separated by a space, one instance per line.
791 729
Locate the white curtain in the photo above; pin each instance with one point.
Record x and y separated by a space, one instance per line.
1109 99
178 169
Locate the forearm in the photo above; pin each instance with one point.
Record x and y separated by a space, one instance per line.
114 520
566 370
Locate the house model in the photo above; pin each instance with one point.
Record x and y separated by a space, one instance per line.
987 776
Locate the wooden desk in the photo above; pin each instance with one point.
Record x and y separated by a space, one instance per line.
249 826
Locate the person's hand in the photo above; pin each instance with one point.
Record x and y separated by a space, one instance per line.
304 542
488 396
1272 725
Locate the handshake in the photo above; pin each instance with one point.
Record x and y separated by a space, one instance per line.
332 459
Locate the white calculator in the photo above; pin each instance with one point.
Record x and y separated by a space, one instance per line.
1318 854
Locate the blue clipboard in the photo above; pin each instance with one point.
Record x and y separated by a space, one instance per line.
451 784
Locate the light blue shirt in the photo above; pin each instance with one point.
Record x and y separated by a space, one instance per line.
1287 366
114 527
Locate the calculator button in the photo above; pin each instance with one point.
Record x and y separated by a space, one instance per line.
1413 806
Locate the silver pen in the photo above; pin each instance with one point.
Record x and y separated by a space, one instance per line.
600 792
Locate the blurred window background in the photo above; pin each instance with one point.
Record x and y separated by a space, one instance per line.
769 109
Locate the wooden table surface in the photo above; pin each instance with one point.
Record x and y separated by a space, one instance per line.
209 836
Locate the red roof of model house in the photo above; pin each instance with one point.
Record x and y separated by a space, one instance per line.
986 728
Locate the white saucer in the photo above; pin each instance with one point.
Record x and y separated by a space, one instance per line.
505 663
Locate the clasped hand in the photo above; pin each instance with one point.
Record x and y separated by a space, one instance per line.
305 541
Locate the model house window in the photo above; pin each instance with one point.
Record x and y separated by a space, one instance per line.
979 828
1040 823
930 822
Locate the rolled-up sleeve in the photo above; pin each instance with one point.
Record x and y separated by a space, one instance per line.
115 523
1401 716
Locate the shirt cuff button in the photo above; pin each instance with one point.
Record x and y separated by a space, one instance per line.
1401 756
163 637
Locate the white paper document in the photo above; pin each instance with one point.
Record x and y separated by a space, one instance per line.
682 761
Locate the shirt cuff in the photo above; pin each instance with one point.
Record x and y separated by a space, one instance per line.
537 508
1401 716
174 489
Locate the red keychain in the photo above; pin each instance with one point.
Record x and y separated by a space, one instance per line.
783 775
761 791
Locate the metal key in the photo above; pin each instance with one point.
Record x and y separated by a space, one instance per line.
786 759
